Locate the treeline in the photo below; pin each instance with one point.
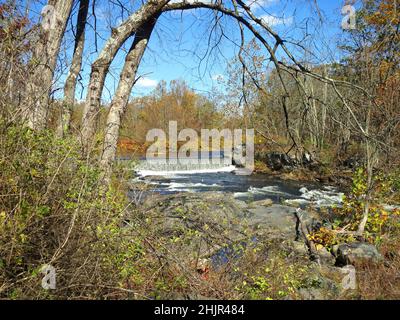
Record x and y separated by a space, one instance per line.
334 111
173 102
62 195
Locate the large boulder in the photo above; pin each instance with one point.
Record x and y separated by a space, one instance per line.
275 220
355 253
195 225
325 284
325 256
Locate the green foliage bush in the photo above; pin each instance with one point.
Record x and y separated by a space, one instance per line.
54 210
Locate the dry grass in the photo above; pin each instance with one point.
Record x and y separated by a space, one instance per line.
382 280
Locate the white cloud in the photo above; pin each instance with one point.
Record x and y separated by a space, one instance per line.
275 21
256 4
146 83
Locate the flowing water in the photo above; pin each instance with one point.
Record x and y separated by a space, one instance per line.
170 179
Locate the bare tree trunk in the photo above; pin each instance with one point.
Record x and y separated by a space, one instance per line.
101 66
76 65
121 98
369 152
324 106
56 15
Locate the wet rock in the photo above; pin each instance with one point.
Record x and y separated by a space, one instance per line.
354 253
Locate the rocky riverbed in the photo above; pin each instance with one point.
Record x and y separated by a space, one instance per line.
206 227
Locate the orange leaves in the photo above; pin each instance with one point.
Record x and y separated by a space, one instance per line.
387 13
126 145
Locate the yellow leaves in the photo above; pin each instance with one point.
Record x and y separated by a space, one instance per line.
385 66
384 215
34 173
377 219
3 217
23 237
323 237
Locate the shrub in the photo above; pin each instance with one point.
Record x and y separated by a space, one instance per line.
54 210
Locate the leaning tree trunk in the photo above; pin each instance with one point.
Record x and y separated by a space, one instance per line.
76 65
102 64
44 60
120 100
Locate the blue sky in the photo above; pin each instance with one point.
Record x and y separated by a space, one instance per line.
178 48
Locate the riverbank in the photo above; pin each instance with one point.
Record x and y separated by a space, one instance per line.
256 250
290 224
338 177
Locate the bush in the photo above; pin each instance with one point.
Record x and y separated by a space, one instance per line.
54 210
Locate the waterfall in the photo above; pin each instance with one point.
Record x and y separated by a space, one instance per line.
209 162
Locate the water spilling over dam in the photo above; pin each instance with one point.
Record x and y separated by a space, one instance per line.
201 163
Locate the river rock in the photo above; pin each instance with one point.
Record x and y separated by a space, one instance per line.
325 256
357 252
300 248
196 225
321 288
277 219
263 203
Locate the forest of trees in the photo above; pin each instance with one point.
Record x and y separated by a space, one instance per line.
62 196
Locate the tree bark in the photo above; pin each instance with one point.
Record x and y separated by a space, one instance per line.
101 66
121 97
76 65
44 62
369 153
